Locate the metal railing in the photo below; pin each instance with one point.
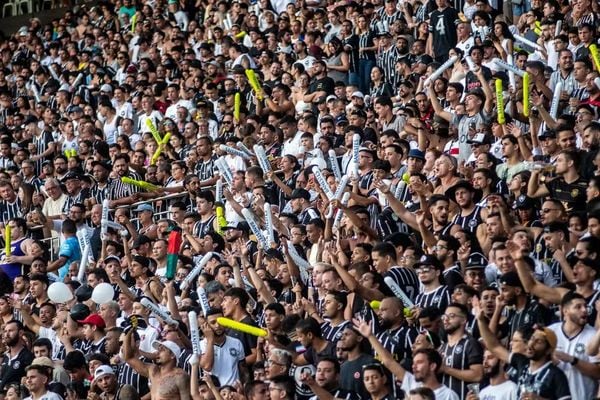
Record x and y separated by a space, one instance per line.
53 243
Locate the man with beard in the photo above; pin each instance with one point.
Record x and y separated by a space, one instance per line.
123 193
17 356
536 375
334 323
426 365
433 293
556 237
500 388
355 346
301 206
446 250
396 335
464 194
167 382
222 355
462 353
573 334
101 189
60 167
325 384
523 310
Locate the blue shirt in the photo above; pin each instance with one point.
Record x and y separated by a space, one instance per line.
69 249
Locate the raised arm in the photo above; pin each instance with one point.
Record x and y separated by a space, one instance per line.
490 340
130 356
387 359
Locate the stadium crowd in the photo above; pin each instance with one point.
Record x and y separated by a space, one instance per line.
403 196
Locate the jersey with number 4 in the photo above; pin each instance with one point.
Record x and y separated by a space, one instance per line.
442 24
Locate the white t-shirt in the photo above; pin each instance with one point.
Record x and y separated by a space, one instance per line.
47 396
226 359
582 386
51 335
504 391
442 393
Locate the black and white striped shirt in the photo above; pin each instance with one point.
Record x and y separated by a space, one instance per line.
42 143
120 190
206 169
466 352
386 60
333 333
126 375
100 193
469 222
9 211
398 341
438 298
406 279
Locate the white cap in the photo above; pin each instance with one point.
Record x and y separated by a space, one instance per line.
330 97
172 346
106 88
358 94
103 370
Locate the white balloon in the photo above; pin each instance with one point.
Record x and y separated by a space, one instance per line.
59 292
103 293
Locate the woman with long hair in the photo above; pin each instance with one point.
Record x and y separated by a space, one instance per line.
338 61
503 39
379 87
366 52
298 92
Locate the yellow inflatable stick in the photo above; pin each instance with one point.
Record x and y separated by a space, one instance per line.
237 104
526 94
239 326
7 240
500 102
254 84
153 131
140 184
595 56
134 22
160 148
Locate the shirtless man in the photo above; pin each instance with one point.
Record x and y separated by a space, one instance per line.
167 381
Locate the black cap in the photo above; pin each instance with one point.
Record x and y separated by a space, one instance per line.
548 134
476 261
300 194
70 175
429 260
524 203
511 279
424 59
242 226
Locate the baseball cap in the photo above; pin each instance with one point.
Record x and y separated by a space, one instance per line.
429 260
330 97
524 203
548 134
172 346
358 94
103 370
93 319
300 194
106 88
144 207
112 258
70 175
480 138
416 153
557 226
241 225
512 279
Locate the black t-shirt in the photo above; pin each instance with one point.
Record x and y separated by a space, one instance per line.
249 341
324 84
466 352
443 27
351 375
572 195
549 382
14 369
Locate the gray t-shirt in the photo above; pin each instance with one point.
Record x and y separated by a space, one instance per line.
468 126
